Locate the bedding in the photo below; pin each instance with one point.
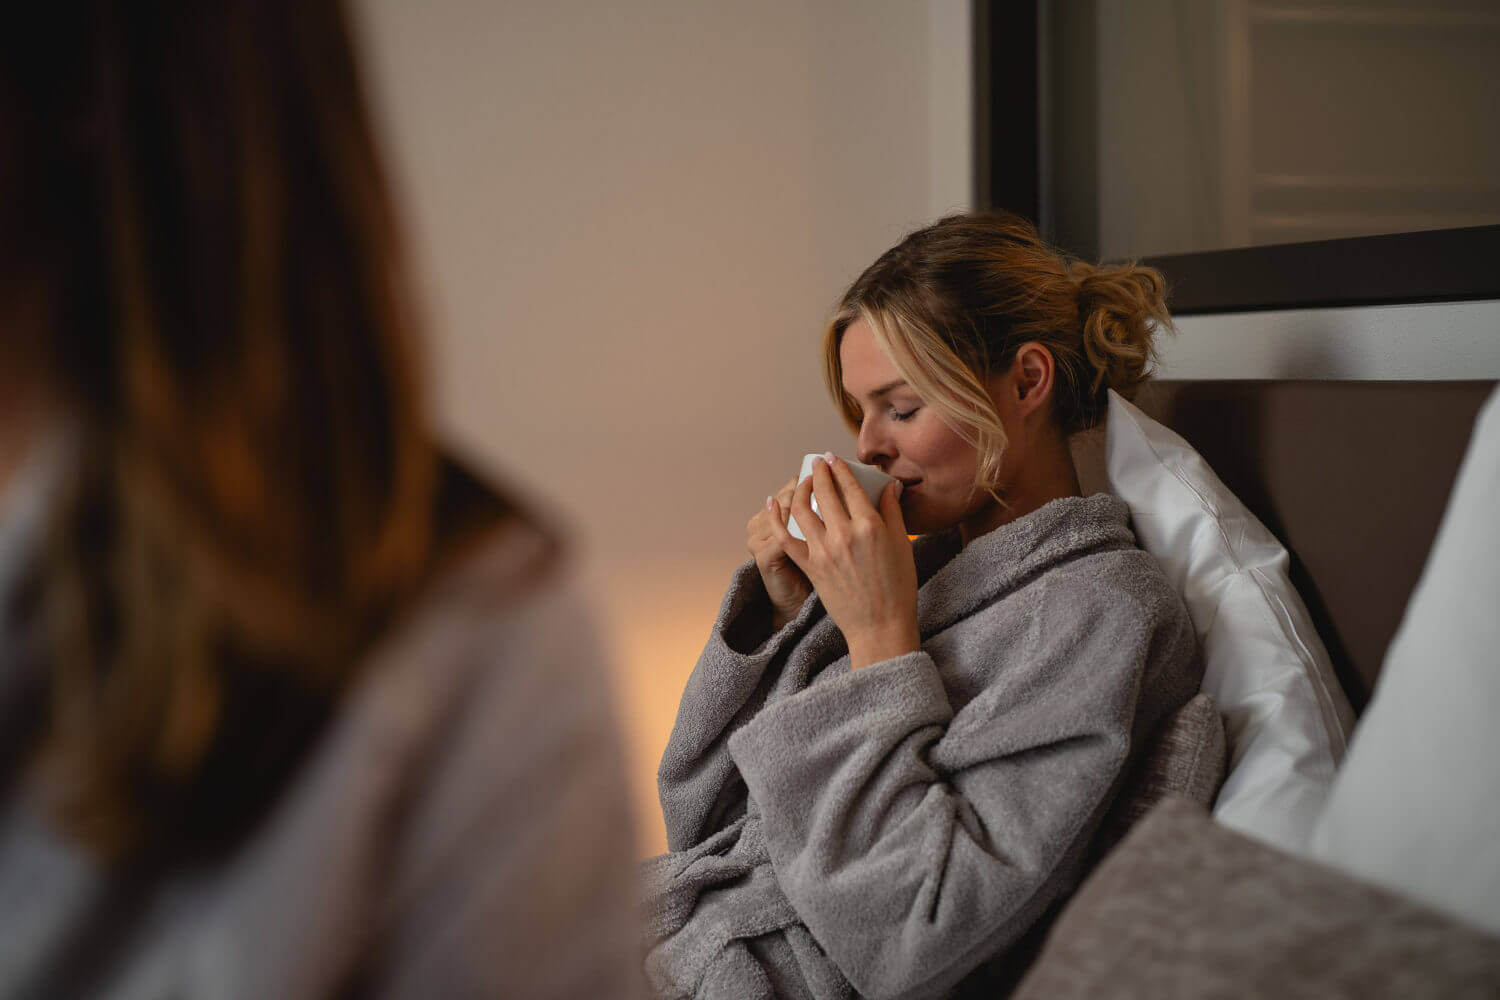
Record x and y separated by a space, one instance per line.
1415 807
1286 718
1183 758
1188 908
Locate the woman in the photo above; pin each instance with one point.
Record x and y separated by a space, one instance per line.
289 706
890 759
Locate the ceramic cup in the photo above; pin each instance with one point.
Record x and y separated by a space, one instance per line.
871 478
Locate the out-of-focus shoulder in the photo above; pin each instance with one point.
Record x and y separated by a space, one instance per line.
499 617
519 602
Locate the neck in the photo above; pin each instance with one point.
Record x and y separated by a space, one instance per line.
1048 475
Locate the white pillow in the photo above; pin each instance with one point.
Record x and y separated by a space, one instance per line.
1285 717
1416 806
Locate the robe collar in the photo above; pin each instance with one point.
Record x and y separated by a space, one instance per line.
958 580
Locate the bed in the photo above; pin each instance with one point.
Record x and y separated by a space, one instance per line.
1355 479
1351 476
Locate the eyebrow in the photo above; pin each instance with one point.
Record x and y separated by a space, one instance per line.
895 384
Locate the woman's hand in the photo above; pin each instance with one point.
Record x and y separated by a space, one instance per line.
858 559
785 583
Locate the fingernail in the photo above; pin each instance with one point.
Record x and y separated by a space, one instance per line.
768 503
828 457
899 487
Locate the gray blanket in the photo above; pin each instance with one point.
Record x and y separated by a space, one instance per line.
1189 908
893 830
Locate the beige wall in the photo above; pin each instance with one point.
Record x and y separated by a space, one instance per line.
630 221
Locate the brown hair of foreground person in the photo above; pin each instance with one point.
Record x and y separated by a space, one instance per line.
953 302
194 214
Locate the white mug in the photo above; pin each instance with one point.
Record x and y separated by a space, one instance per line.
871 478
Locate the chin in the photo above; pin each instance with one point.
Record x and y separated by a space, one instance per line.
922 519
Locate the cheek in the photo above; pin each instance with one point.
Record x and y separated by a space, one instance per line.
948 456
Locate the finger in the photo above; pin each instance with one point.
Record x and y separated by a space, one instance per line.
759 522
795 550
810 523
760 532
890 509
830 503
784 498
854 494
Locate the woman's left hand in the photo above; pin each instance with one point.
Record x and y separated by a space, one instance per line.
859 560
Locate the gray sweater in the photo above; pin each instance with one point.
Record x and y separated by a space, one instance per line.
894 829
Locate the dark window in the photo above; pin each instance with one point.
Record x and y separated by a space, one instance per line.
1262 154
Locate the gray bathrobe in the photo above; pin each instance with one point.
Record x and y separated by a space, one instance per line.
891 830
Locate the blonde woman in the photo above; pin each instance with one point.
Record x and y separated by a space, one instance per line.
890 759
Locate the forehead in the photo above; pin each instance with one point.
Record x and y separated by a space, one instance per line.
864 364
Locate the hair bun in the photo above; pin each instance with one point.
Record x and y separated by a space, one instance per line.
1121 307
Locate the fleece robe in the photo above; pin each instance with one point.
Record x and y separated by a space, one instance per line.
893 830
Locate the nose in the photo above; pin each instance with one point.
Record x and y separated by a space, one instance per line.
873 447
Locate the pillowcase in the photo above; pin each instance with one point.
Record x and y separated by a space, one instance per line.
1285 717
1416 807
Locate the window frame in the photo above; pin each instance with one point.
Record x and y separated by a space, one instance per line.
1010 101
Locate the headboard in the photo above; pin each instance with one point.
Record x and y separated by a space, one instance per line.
1353 477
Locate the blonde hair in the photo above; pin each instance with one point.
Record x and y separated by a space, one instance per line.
952 303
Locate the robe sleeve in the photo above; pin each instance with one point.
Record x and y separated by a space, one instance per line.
696 764
915 842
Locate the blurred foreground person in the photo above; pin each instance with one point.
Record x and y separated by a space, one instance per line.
290 706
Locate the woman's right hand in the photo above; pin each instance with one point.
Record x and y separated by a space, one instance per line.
787 586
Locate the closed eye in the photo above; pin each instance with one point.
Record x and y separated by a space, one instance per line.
904 415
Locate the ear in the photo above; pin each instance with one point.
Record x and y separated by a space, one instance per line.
1033 370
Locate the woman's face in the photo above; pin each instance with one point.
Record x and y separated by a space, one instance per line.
903 437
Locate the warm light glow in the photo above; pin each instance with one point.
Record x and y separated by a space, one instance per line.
657 622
